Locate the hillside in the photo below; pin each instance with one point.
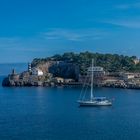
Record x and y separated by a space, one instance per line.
110 62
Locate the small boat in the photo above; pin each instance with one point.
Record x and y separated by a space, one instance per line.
94 101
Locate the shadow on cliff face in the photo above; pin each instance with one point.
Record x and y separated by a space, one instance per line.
65 70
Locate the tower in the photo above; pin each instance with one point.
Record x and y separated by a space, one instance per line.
13 72
29 67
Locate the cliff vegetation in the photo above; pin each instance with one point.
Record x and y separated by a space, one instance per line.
110 62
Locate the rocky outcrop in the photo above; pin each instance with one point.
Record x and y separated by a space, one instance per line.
51 69
11 82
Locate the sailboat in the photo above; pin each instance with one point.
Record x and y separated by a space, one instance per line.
94 101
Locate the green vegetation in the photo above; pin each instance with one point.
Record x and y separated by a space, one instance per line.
110 62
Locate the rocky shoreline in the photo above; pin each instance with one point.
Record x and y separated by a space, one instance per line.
23 83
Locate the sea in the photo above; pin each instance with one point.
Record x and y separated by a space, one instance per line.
39 113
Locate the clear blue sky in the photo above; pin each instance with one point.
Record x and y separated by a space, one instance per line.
40 28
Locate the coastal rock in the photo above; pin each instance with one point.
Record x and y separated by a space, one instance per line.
7 82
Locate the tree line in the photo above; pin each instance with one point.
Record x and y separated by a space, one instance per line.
110 62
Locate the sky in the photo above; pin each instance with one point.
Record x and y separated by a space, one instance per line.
41 28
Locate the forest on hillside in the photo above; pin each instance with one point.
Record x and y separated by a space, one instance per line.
110 62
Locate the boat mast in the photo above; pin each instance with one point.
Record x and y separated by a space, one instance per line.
91 95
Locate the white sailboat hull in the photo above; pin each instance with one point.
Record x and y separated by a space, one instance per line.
95 103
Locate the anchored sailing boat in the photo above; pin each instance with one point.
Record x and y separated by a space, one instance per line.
94 101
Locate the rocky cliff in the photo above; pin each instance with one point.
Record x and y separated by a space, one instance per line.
51 69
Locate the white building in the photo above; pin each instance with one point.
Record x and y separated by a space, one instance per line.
36 71
127 76
95 69
98 72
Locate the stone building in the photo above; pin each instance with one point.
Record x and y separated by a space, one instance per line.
98 75
14 76
58 80
128 76
98 72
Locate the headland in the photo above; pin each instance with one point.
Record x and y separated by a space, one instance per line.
71 69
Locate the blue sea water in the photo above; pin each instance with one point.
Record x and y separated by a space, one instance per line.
7 68
38 113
